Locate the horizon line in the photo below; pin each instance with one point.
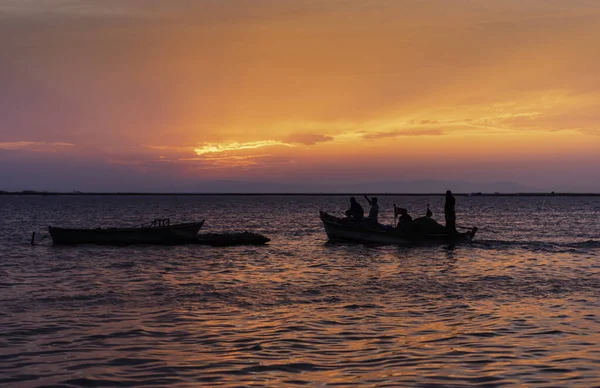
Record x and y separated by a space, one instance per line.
125 193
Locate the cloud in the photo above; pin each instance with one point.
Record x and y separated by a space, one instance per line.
404 132
308 138
583 119
235 146
34 146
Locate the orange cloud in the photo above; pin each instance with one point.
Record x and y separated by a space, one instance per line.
308 138
228 147
398 133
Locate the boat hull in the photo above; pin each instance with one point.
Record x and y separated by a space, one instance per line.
172 234
339 229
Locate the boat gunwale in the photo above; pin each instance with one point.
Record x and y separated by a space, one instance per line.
127 229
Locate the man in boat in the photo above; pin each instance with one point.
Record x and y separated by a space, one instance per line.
374 211
449 212
356 211
405 222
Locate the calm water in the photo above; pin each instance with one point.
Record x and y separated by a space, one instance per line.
520 305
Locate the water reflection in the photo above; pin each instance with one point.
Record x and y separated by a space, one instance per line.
516 307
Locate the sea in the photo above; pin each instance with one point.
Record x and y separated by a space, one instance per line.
518 306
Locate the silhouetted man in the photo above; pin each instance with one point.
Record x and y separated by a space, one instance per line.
405 221
374 212
449 212
356 211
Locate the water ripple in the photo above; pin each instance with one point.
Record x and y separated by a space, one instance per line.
516 307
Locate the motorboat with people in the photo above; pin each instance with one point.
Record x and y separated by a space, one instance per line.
423 230
159 231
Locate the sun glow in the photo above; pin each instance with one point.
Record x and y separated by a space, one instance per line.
216 148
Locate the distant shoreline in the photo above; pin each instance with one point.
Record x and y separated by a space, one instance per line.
534 194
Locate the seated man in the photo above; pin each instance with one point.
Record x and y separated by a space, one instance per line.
405 221
356 211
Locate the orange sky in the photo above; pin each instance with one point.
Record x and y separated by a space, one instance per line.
303 89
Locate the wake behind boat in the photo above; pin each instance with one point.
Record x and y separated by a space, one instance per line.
159 231
346 229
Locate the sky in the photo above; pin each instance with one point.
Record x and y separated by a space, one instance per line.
154 95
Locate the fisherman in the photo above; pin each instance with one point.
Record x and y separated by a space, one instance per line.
356 211
449 212
428 213
405 221
374 212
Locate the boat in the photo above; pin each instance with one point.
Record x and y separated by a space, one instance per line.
159 231
344 229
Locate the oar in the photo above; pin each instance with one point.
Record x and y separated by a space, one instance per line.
33 239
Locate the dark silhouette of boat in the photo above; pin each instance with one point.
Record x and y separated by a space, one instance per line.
344 229
159 231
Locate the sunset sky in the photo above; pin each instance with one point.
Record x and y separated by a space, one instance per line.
156 95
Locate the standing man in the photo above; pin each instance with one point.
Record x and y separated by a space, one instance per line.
449 212
374 212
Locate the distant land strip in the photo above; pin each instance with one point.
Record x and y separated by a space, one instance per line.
524 194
